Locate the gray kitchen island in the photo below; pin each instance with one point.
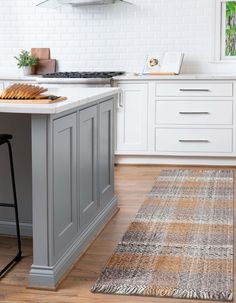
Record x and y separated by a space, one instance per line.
72 176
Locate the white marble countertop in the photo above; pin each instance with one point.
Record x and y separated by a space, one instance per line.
76 97
136 77
126 77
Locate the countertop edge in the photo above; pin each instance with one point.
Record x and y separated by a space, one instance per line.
60 107
87 101
175 77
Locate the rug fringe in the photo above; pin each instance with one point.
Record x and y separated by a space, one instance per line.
120 290
162 292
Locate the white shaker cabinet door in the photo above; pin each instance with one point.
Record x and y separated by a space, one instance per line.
132 118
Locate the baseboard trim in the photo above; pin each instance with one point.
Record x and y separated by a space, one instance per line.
163 160
9 228
48 277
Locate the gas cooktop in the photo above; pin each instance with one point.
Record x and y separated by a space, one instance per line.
87 75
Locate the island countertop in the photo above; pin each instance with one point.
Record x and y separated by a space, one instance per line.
76 97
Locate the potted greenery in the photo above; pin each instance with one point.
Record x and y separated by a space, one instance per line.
26 61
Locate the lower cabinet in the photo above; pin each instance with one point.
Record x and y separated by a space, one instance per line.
132 118
82 172
174 119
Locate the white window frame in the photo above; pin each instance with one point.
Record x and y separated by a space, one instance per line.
218 51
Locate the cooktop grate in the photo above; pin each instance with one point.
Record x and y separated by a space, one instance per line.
87 75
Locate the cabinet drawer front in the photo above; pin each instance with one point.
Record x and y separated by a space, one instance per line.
201 89
194 112
194 140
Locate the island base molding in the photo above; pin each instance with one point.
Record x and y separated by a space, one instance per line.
49 277
171 160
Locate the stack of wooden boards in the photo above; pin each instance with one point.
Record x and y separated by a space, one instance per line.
27 93
45 63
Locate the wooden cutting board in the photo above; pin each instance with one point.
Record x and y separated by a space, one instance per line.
41 53
34 101
45 67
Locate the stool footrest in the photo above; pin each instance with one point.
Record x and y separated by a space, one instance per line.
7 205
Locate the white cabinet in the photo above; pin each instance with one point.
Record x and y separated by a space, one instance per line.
132 118
1 86
169 119
194 118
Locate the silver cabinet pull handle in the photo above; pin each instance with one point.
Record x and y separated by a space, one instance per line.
194 113
120 101
194 141
121 105
194 90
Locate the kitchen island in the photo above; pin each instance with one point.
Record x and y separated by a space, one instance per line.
72 176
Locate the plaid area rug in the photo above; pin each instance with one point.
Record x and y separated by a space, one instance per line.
180 244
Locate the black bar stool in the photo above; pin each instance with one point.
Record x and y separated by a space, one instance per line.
4 139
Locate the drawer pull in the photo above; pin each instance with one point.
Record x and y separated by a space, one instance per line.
121 101
194 90
194 113
194 141
121 105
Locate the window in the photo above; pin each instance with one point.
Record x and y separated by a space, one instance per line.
225 31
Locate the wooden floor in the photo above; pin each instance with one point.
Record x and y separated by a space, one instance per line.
132 183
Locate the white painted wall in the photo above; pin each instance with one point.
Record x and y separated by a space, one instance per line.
116 37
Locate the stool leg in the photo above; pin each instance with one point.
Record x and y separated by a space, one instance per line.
18 255
15 197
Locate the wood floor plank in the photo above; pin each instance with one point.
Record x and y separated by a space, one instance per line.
132 185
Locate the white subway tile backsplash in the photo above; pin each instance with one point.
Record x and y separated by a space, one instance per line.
110 37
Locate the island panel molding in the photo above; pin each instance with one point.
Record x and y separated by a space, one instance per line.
88 159
64 209
106 157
